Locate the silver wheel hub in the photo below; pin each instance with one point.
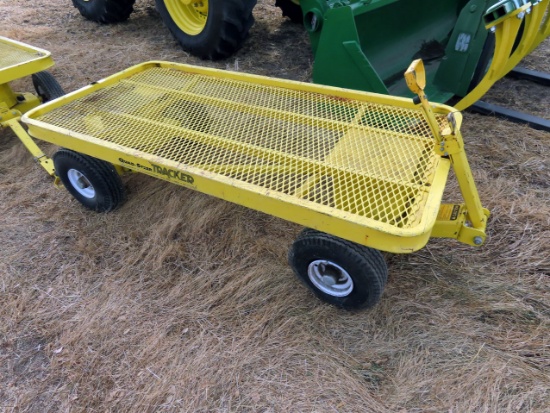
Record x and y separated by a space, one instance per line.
79 182
330 278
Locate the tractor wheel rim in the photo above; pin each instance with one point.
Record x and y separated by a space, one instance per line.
80 183
330 278
189 15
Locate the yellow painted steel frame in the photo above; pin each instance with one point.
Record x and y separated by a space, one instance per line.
29 60
18 60
543 18
466 224
536 28
31 146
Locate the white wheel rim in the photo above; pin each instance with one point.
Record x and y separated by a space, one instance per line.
82 184
330 278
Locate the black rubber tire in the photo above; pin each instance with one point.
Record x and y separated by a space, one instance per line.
225 31
105 11
47 88
366 267
101 175
291 10
484 61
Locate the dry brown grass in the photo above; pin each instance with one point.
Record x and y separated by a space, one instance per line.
181 302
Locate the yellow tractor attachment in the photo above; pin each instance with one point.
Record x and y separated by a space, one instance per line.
517 33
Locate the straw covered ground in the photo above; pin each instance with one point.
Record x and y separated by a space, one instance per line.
181 302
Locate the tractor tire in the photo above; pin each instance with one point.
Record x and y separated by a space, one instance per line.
93 182
209 29
484 61
47 88
339 272
105 11
291 9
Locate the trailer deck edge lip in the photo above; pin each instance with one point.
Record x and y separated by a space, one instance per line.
328 218
41 61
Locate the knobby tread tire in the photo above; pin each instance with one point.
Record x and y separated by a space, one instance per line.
105 11
103 176
291 10
226 29
46 86
376 256
371 273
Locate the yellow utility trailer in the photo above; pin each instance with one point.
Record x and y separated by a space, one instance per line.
363 172
18 60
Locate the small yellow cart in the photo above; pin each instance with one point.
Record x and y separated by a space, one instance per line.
362 172
18 60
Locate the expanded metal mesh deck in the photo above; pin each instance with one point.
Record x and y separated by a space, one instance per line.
12 54
362 158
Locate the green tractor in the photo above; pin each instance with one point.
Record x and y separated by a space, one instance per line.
209 29
466 45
